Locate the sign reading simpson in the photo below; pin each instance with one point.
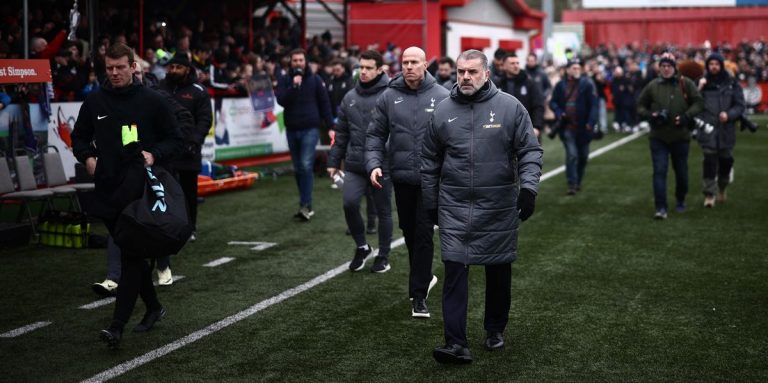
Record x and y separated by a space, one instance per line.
24 71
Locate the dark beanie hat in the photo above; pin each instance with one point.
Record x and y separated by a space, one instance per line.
573 61
180 58
668 58
715 56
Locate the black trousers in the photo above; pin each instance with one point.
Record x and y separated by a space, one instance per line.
418 232
135 281
498 298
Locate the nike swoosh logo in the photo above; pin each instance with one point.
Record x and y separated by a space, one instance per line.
398 101
101 117
451 119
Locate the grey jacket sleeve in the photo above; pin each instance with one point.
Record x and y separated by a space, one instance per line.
339 149
529 152
377 136
432 155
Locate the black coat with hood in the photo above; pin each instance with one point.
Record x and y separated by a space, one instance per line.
355 114
397 130
478 152
528 92
103 118
721 93
194 98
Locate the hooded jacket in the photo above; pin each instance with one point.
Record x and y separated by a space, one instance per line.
528 92
194 98
722 93
477 153
400 119
355 114
98 132
677 99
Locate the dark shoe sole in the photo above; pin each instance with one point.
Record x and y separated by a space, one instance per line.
448 358
107 337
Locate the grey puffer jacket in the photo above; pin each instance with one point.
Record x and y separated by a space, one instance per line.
722 94
355 113
401 117
478 152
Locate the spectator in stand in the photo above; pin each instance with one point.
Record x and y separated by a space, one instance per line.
753 95
68 78
307 107
91 85
41 49
446 72
574 101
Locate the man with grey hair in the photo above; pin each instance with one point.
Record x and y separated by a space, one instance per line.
400 118
480 170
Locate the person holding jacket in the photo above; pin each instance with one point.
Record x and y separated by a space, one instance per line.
669 103
305 99
397 131
723 106
575 103
480 171
128 123
354 117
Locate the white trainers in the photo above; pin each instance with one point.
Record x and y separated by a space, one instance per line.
164 277
107 288
709 201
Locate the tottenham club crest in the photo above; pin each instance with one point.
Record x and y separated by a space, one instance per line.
491 125
432 103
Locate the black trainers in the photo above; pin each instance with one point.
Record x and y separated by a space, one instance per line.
149 320
419 309
304 214
494 341
452 354
380 265
358 262
370 230
111 337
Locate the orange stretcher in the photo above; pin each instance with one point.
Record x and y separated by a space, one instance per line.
241 180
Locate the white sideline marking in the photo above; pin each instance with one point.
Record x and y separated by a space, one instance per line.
215 327
257 246
24 330
219 262
96 304
598 152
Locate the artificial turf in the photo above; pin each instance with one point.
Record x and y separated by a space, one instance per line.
601 291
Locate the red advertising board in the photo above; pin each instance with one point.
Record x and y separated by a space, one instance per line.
24 71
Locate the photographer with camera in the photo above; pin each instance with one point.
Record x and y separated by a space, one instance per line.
669 104
305 99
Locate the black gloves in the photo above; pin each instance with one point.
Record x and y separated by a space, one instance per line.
432 215
685 121
526 203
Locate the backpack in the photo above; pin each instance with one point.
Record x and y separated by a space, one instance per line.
157 224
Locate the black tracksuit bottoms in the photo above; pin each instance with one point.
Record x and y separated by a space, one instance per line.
135 281
498 298
418 232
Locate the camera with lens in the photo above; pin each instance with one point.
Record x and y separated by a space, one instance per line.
661 117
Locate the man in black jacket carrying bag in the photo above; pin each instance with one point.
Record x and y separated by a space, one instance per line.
480 171
128 124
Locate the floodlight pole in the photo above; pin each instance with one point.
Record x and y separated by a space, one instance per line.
26 29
